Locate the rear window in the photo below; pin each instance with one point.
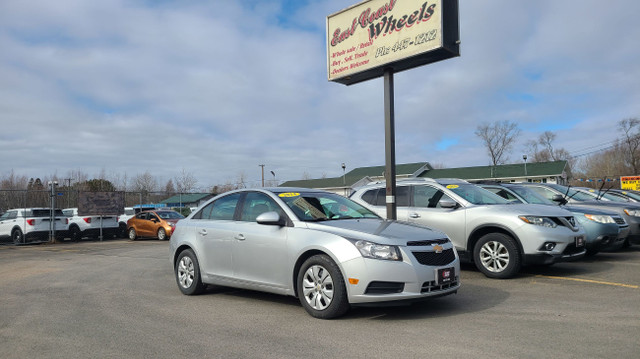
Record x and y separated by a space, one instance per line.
46 213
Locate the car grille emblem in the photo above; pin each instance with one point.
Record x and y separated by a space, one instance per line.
437 248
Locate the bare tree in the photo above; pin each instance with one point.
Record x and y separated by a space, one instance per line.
630 128
169 188
498 139
185 182
543 150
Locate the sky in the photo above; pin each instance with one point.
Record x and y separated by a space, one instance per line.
218 88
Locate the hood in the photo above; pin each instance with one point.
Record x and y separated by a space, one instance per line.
587 210
377 230
528 209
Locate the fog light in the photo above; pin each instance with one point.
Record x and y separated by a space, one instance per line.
549 246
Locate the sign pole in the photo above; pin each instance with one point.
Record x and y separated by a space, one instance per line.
390 144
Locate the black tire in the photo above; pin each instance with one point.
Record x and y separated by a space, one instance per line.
187 271
74 233
321 288
162 234
132 234
496 255
17 236
122 230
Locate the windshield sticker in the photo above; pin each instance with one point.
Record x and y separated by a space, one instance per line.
289 194
452 186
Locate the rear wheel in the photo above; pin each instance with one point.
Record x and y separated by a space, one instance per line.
75 233
187 272
321 288
132 234
17 236
496 255
162 234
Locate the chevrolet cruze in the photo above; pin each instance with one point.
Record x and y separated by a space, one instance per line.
326 250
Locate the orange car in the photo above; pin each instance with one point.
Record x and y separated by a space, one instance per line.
156 224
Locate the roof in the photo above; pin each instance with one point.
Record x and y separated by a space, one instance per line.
358 174
534 169
187 198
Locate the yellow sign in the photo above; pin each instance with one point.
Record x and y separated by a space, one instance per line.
289 194
452 186
630 183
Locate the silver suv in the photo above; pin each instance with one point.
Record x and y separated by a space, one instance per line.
498 236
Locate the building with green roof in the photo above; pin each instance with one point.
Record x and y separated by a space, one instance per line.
546 172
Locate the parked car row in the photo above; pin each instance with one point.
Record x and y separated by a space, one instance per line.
28 224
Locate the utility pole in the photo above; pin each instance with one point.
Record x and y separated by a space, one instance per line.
262 174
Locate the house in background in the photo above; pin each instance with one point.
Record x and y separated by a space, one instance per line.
544 172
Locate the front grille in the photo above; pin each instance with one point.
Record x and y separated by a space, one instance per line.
431 286
428 242
435 259
384 288
572 249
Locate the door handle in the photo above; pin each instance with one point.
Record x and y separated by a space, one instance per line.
240 237
203 232
414 215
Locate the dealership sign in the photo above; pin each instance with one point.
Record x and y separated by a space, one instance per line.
368 38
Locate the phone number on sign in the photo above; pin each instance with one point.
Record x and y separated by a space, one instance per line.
405 43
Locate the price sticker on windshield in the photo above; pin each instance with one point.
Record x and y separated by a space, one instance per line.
289 194
452 186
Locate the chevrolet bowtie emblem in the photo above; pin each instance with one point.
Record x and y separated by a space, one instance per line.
437 248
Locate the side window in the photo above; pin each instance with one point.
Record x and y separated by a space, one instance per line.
402 196
427 196
381 197
141 216
543 192
370 196
255 204
222 208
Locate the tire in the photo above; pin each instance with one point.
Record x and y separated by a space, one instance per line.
496 255
17 236
162 234
187 271
321 288
132 234
122 230
74 233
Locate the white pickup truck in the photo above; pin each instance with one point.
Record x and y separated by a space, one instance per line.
26 224
90 226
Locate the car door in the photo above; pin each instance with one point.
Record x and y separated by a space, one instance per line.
152 225
7 221
215 233
426 208
260 250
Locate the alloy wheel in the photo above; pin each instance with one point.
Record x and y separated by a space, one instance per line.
494 256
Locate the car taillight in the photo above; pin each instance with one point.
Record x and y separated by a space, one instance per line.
31 222
66 220
87 219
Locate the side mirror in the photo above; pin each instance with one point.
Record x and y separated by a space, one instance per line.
559 198
445 203
271 218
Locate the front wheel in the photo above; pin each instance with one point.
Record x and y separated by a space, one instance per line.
187 272
496 255
132 234
321 288
162 234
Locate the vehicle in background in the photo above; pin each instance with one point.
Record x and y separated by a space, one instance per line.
499 237
604 230
154 224
25 224
605 195
90 226
123 218
629 211
321 247
634 195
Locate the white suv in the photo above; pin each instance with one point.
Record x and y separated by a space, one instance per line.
26 224
499 237
89 226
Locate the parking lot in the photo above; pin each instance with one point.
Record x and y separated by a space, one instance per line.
118 298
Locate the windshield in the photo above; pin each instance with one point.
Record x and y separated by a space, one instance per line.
170 215
321 206
574 194
529 195
475 194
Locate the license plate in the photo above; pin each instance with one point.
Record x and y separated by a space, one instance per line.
445 275
580 241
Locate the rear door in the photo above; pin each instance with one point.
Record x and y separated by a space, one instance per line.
7 221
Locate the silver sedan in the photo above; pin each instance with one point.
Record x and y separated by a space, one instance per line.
321 247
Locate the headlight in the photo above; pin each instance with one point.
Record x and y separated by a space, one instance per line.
632 212
600 218
539 221
378 251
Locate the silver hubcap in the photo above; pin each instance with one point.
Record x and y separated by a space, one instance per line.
161 234
132 234
494 256
317 287
185 272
